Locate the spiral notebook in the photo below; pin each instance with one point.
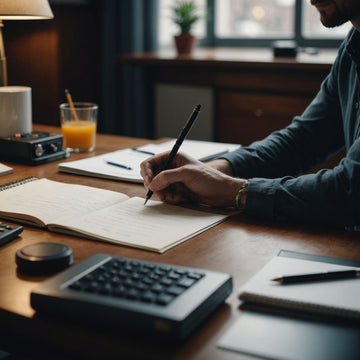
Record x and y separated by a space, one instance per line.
100 214
284 322
335 298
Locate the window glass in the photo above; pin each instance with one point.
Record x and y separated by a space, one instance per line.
313 28
167 29
254 18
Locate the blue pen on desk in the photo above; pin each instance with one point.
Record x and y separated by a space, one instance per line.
143 151
118 165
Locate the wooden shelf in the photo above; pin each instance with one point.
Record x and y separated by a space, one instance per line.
253 90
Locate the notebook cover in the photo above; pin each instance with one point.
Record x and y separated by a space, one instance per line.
318 258
270 334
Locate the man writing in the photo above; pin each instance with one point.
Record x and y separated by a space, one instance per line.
263 178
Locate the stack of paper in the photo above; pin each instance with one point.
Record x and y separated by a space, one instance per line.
4 170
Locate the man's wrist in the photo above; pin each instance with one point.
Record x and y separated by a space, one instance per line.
222 165
240 199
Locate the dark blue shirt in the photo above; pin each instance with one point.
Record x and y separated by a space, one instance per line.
330 123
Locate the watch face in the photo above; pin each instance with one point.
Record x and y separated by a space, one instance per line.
239 195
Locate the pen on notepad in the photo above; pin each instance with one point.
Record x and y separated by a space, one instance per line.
178 143
118 165
143 151
329 275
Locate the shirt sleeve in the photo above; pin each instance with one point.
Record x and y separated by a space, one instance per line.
273 165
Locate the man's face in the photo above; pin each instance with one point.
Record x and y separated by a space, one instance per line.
337 12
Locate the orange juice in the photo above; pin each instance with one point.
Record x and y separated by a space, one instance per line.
79 134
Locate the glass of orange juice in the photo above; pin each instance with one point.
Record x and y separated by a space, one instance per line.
78 124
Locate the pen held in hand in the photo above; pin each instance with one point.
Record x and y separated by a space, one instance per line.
178 143
323 276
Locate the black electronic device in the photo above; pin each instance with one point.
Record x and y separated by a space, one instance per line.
43 258
146 297
32 148
285 48
9 232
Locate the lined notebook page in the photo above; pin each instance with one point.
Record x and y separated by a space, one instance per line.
156 226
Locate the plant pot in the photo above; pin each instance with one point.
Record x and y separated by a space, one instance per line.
185 43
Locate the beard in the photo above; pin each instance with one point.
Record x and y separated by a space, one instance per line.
331 14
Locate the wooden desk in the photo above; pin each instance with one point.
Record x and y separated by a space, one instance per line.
239 246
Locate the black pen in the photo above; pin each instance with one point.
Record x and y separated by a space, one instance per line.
178 143
118 165
328 275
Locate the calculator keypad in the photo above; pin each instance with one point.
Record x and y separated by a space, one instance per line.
9 232
137 281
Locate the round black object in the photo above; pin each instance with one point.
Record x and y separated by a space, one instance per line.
43 258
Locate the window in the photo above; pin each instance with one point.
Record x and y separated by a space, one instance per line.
254 23
254 18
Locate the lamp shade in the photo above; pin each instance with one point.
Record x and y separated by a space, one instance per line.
25 10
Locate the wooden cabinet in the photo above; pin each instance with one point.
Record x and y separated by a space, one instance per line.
245 117
254 93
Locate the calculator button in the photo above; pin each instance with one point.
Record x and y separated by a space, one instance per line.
164 299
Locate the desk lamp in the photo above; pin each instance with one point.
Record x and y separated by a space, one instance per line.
19 10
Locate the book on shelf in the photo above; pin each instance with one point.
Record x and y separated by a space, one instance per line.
102 214
334 298
129 159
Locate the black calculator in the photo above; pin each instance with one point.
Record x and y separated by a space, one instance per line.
9 232
141 296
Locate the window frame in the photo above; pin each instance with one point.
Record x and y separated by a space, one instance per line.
211 40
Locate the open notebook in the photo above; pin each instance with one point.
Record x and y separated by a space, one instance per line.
102 214
129 159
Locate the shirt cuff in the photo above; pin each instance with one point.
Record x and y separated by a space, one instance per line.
260 200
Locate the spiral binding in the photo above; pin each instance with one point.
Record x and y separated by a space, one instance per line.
17 183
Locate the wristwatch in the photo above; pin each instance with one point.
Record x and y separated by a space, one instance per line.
240 194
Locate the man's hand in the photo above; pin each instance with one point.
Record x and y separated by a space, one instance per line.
189 179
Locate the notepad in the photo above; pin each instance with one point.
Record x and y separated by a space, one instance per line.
272 324
102 214
338 298
5 170
98 166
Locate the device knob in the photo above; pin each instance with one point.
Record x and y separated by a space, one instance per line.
52 148
39 151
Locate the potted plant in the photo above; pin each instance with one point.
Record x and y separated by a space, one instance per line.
184 14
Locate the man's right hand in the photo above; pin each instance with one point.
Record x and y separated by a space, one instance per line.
190 179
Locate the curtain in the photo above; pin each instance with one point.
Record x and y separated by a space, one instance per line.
128 26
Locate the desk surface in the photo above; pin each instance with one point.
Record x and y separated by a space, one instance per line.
239 246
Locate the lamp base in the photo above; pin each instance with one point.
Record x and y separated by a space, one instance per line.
3 66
